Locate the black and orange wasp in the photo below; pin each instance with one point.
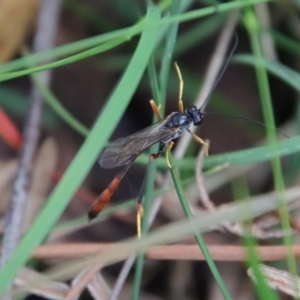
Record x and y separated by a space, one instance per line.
124 151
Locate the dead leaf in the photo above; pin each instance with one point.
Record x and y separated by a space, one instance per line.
16 18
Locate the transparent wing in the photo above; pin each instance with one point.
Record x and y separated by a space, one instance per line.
125 150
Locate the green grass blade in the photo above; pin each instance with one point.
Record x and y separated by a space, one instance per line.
248 156
286 74
65 61
285 42
235 212
88 153
262 289
254 155
110 41
241 191
203 12
198 236
145 226
253 27
65 50
204 30
163 79
167 55
294 163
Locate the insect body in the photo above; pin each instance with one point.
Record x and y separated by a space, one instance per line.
124 151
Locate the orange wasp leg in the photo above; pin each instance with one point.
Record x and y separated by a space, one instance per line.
139 216
181 84
169 148
181 109
156 109
106 195
200 141
140 210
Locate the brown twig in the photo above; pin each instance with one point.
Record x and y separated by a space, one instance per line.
200 181
84 278
171 252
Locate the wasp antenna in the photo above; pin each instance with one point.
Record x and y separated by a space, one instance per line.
236 40
245 119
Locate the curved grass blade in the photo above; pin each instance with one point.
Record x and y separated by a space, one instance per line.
254 155
65 61
88 153
65 50
119 37
162 85
286 74
248 156
253 27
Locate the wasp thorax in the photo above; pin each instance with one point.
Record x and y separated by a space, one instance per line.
195 114
179 120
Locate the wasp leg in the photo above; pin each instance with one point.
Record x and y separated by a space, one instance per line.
199 140
139 216
161 149
140 210
170 146
180 103
155 109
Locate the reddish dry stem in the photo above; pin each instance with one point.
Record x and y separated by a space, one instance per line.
172 252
